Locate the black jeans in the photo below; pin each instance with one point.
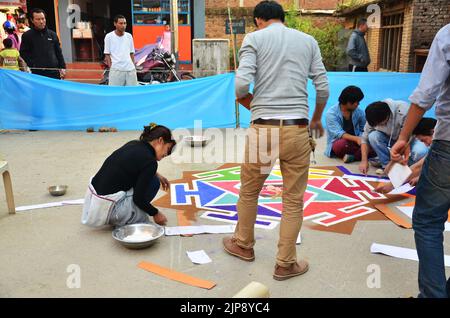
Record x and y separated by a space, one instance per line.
48 73
357 68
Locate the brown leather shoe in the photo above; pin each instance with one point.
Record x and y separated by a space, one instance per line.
296 269
230 246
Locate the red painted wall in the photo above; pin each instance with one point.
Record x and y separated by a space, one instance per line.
147 34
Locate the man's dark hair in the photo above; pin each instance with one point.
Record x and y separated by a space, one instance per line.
377 112
351 94
425 127
118 17
361 21
36 10
268 10
7 43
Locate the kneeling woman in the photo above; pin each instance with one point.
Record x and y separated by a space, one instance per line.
122 191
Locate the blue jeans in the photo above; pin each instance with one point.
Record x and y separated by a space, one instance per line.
429 217
379 142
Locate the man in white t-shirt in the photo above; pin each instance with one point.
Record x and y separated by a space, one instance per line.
119 55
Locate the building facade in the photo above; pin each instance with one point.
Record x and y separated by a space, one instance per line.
147 21
217 13
403 38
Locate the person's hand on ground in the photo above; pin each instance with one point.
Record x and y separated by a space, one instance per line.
384 188
364 167
160 219
165 184
317 129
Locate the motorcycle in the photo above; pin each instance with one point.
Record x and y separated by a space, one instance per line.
160 67
154 65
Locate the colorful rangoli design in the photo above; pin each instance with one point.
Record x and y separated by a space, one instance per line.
333 201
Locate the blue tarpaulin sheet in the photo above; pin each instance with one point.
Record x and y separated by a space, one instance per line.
375 86
33 102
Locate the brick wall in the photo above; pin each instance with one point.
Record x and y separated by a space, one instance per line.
422 20
319 4
246 3
215 24
303 4
217 14
429 17
374 43
406 53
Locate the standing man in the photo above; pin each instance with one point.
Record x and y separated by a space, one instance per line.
278 60
41 49
357 50
433 190
119 55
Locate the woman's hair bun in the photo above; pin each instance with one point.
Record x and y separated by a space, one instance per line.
150 127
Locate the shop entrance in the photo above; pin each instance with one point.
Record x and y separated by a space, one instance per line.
98 15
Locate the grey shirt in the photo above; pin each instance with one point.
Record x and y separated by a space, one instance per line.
399 110
434 86
357 50
279 61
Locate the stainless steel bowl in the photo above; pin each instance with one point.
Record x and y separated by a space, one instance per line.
138 236
196 141
58 190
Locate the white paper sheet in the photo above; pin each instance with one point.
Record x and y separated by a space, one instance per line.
399 174
199 257
402 189
49 205
74 202
201 229
400 252
299 238
408 211
372 179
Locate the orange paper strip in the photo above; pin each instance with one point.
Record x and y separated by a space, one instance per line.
177 276
394 217
412 203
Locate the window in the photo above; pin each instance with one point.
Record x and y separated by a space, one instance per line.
392 31
157 12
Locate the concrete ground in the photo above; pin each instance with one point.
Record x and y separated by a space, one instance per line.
38 247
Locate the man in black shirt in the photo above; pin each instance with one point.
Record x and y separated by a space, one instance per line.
41 49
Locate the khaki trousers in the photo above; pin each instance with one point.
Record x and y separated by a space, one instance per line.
289 144
123 78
